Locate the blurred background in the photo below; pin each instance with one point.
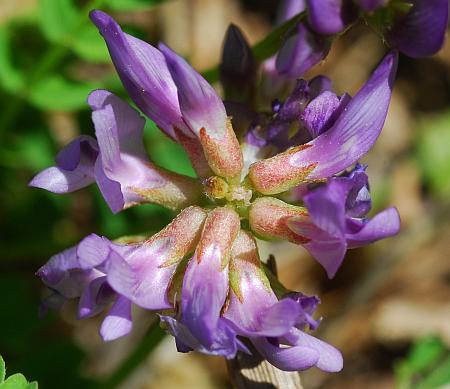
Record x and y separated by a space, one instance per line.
388 309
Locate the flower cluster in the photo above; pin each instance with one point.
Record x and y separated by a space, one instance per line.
289 174
414 27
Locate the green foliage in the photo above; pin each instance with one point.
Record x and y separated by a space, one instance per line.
90 46
265 48
55 93
15 381
432 151
11 79
57 19
427 365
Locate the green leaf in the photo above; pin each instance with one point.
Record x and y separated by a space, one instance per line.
265 48
131 5
16 381
2 369
11 79
58 94
434 159
89 45
57 19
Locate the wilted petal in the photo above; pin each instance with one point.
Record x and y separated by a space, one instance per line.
117 322
301 52
142 272
205 114
144 73
421 31
74 169
382 225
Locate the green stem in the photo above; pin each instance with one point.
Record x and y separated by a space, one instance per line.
153 337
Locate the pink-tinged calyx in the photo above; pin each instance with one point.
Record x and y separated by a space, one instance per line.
269 218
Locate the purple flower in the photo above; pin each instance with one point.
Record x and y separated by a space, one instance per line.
420 32
108 161
275 327
178 99
100 272
338 212
333 221
350 137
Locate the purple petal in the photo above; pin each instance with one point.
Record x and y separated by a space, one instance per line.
288 9
318 113
356 129
117 322
200 105
137 273
92 251
111 190
94 298
300 52
421 32
328 250
330 359
58 265
382 225
74 170
205 288
329 17
144 73
225 343
287 358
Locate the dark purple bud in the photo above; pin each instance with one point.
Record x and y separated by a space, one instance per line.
237 68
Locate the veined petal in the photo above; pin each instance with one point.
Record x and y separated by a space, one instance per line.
142 272
74 167
204 113
352 135
329 17
421 32
205 284
92 251
144 73
117 322
383 225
